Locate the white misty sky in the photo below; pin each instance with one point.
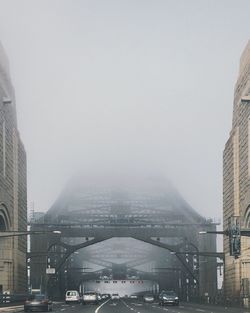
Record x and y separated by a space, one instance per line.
142 85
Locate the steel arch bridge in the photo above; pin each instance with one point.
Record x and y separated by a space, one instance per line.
95 222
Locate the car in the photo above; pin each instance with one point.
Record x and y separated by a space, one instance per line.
148 298
105 296
90 297
72 296
115 296
168 297
38 302
133 297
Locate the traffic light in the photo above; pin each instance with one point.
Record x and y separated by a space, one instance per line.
234 236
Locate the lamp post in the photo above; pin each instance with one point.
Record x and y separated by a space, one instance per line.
7 233
191 255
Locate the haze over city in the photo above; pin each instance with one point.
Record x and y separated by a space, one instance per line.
123 87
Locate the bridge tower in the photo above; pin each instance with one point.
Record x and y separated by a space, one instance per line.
13 189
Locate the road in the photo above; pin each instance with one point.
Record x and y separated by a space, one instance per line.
137 306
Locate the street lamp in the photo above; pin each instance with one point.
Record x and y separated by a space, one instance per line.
15 233
222 232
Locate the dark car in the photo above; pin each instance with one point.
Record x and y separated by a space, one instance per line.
38 302
168 297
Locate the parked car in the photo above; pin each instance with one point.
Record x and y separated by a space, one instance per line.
115 296
133 297
38 302
72 296
168 297
148 298
90 297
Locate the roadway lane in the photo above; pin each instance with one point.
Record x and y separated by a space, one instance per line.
137 306
140 307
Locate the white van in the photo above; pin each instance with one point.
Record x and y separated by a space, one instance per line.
72 296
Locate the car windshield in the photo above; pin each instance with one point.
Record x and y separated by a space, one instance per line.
169 293
36 297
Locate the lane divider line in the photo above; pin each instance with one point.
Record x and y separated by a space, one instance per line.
97 310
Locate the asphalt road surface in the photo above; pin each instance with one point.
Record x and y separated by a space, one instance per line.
137 306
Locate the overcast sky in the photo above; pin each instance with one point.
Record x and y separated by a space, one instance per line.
125 84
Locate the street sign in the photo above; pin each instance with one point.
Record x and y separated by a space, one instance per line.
50 270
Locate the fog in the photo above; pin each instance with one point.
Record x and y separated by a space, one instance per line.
125 86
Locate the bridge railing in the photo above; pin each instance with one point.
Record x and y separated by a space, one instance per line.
9 299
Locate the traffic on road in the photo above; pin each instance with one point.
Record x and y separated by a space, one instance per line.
128 305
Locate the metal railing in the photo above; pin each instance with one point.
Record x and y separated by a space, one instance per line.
10 299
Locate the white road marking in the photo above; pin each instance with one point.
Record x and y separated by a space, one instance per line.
10 309
129 307
97 310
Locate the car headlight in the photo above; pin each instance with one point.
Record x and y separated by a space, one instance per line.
176 298
165 298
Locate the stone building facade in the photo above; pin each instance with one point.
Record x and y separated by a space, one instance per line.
13 189
236 184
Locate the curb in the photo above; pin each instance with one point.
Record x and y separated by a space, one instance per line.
11 309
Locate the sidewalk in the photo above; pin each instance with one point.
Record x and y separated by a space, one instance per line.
19 308
220 308
11 309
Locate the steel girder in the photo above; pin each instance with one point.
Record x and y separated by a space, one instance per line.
72 248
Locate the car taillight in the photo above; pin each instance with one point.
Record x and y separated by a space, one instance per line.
45 302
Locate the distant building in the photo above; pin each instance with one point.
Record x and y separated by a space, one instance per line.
236 185
13 189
